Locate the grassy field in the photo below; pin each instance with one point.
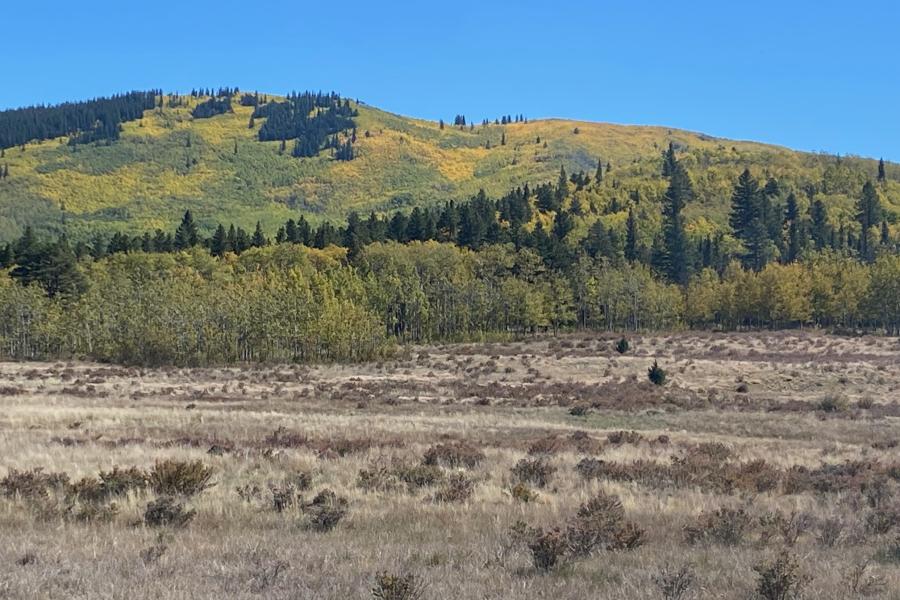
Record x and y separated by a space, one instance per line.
761 449
168 162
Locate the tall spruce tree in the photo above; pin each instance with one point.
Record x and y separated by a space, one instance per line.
881 173
748 221
186 235
675 248
867 215
795 230
631 237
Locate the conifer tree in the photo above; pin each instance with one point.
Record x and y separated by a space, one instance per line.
881 173
218 244
675 248
796 230
186 235
631 237
748 221
259 239
598 176
867 215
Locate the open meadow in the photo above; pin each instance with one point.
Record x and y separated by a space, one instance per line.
768 463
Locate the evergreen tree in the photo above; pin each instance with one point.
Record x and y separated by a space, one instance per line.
631 237
218 244
259 239
796 230
868 212
748 221
820 230
598 176
186 235
670 163
881 173
562 187
675 249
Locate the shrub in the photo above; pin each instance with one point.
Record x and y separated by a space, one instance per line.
600 525
622 346
523 493
376 478
833 403
780 578
397 587
625 437
179 478
675 584
166 511
119 482
890 553
419 476
548 549
656 374
284 496
324 511
33 484
724 526
535 471
458 488
456 455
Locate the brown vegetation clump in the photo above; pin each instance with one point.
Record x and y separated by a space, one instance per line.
397 587
535 471
600 524
167 512
457 488
780 578
33 484
324 511
726 526
454 456
179 478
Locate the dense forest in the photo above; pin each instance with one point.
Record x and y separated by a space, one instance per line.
84 122
309 119
461 271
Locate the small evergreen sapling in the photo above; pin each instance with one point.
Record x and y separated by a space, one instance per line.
656 374
622 346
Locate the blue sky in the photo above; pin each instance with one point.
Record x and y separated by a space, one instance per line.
810 75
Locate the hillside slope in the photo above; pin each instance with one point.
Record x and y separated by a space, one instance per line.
169 161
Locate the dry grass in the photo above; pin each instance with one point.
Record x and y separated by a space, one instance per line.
451 473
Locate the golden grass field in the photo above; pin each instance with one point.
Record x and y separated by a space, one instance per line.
817 414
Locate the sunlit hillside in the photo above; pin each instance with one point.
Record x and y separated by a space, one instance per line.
169 161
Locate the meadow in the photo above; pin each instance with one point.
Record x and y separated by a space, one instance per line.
767 465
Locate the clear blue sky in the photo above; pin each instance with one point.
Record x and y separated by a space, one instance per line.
811 75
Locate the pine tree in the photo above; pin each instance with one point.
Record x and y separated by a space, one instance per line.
186 235
881 173
562 186
259 239
796 230
218 244
598 176
820 230
675 250
748 221
631 237
670 163
867 215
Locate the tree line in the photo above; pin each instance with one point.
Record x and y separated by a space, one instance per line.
83 122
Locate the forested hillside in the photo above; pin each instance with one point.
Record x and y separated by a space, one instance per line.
694 233
240 157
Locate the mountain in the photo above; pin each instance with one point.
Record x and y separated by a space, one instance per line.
184 155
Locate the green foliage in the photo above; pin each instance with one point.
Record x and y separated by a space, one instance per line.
656 374
622 346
